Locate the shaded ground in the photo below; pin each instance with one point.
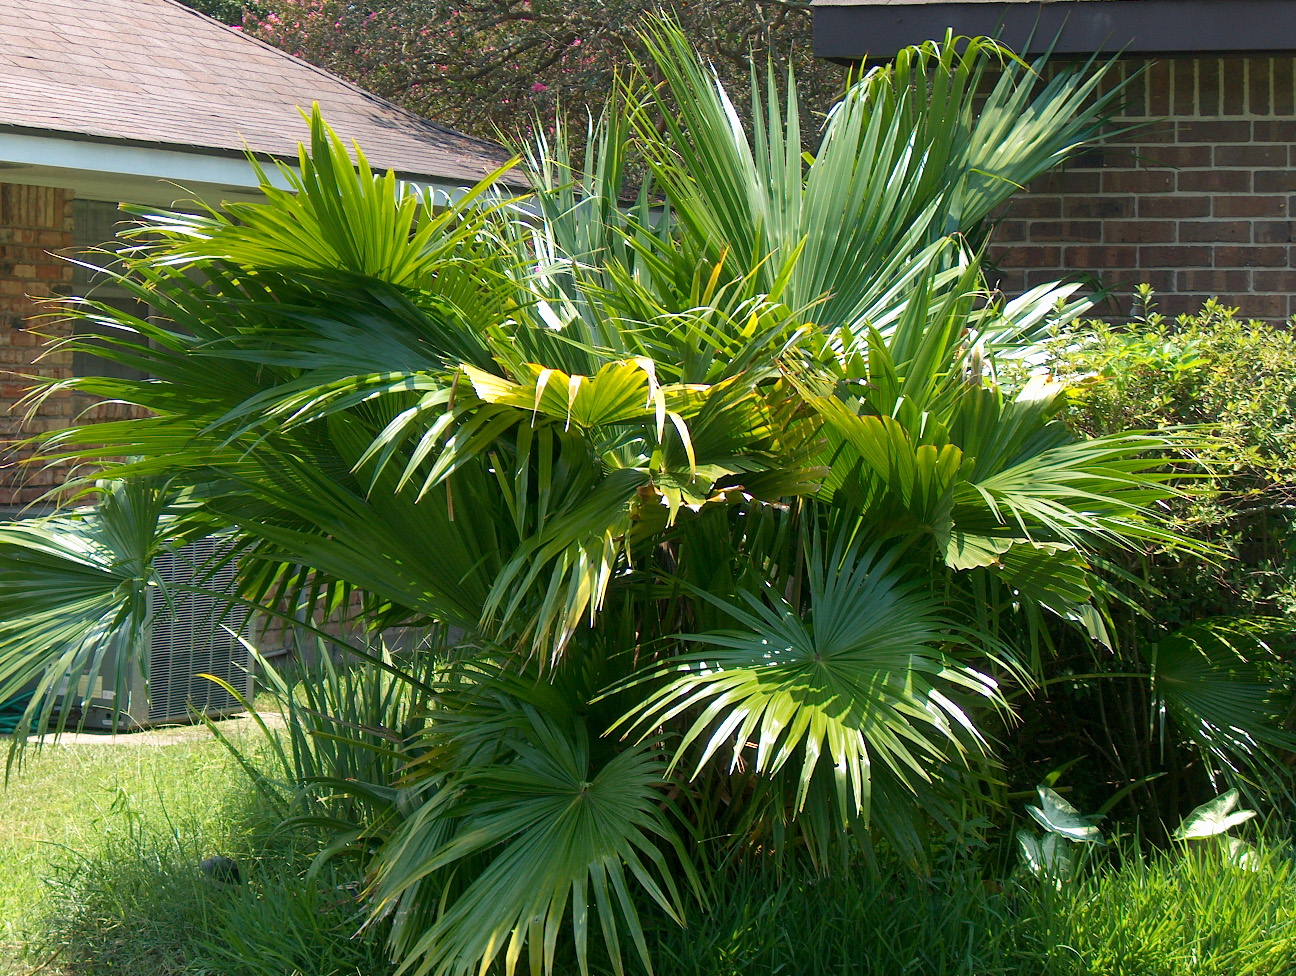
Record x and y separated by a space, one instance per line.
165 735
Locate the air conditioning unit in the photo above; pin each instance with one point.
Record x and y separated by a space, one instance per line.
189 635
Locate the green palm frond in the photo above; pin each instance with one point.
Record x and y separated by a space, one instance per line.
905 159
73 598
551 838
857 679
338 215
1214 678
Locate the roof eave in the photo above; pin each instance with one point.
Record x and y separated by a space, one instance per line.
154 174
854 30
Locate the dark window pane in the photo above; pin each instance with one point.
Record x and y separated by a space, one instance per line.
88 364
95 224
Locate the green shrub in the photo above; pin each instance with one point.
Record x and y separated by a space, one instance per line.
1236 379
1230 610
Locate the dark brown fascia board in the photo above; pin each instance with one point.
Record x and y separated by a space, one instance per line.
854 30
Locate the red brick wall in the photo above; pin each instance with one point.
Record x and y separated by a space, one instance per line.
1198 202
35 222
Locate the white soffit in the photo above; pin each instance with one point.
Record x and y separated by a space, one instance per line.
96 170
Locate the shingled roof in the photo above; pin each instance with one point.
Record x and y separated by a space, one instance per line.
155 74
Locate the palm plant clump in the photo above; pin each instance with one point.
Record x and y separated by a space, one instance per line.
747 545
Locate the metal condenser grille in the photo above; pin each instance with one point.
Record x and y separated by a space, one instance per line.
190 637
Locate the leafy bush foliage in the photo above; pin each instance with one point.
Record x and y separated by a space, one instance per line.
517 65
1226 608
1235 379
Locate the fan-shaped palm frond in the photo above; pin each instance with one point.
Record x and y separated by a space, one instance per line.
860 677
906 158
74 601
504 852
1213 678
373 226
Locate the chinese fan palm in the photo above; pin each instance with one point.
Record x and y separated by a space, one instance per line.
720 486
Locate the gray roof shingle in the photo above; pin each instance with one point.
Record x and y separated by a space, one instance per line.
154 72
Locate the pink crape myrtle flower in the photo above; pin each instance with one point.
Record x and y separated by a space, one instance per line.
538 87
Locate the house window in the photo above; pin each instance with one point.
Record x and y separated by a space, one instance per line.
94 230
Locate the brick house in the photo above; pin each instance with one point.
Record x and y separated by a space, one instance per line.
146 101
1199 199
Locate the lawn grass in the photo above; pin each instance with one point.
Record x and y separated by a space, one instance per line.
1166 913
68 801
100 844
100 851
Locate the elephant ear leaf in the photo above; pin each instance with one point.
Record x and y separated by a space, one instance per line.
1049 859
1057 816
1213 818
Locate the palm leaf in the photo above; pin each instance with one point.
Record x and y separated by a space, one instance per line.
860 679
551 837
894 173
1212 678
73 596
